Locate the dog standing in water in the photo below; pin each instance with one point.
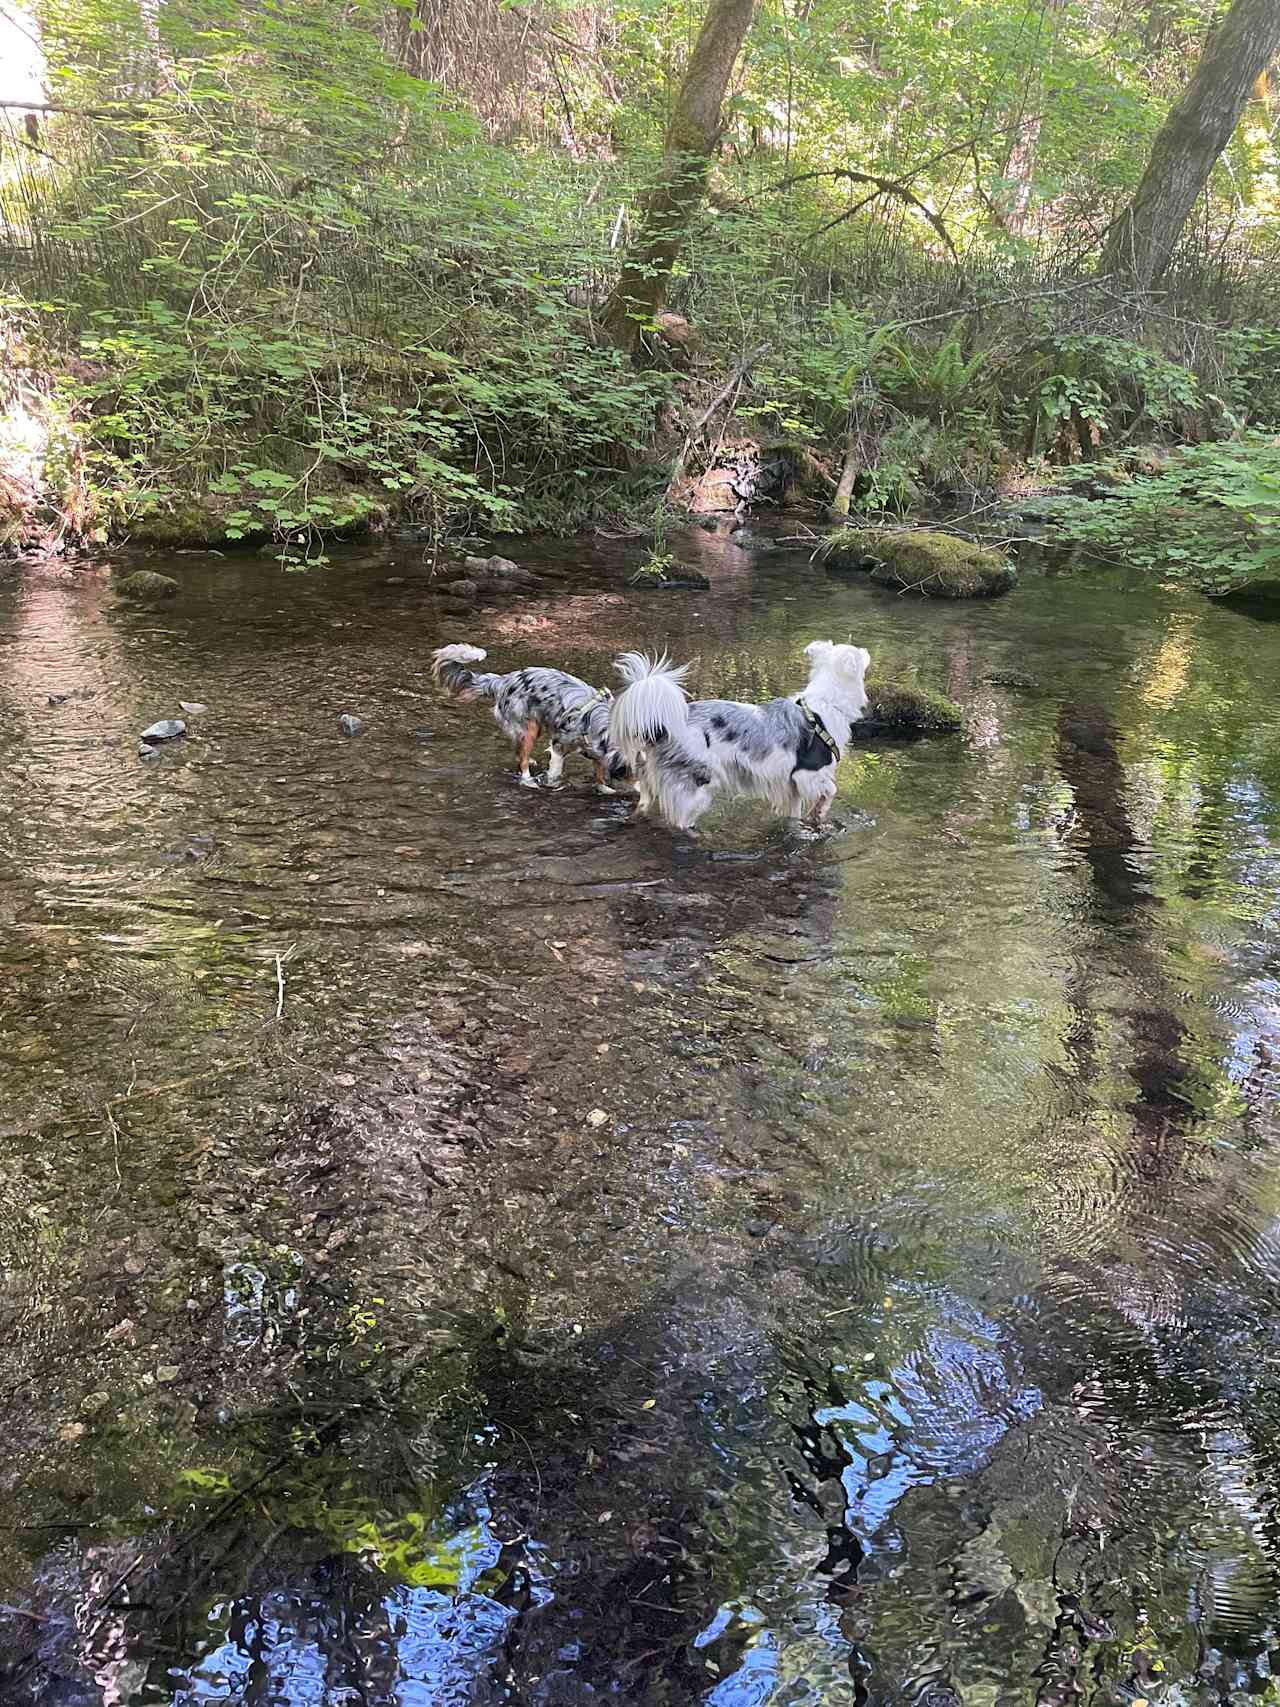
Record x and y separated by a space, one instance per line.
572 714
683 754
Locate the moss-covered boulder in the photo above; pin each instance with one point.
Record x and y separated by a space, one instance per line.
906 711
145 587
921 560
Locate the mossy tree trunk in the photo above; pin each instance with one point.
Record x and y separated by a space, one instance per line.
692 138
1198 128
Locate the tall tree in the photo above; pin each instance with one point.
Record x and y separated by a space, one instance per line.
692 138
1198 128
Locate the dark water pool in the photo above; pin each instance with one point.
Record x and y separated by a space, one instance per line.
462 1247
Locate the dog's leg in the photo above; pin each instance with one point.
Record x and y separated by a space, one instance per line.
602 785
524 752
822 806
555 765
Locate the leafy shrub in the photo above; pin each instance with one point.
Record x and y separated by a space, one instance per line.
1212 516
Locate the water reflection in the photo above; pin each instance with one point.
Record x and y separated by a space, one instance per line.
778 1270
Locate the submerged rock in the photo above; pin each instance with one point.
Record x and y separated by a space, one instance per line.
192 707
350 725
145 586
922 561
168 729
688 578
907 711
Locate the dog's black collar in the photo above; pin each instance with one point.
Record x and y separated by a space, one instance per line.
819 728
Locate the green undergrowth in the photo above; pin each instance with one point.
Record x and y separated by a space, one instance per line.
1207 514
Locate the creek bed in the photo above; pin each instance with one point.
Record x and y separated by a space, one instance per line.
461 1245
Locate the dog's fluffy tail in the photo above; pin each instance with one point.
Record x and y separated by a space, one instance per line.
449 666
651 707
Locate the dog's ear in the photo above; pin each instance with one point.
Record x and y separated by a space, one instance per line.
818 649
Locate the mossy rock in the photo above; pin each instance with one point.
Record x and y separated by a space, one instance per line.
908 712
921 560
145 587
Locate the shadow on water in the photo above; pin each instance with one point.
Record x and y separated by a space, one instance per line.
460 1245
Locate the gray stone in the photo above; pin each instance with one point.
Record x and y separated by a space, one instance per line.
168 729
144 586
350 725
192 707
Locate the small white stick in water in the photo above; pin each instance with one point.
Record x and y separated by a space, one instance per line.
279 985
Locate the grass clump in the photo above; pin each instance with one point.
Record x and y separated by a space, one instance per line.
923 561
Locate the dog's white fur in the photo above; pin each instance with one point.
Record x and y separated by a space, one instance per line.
683 754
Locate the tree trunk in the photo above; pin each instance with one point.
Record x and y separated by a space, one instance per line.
692 138
1198 128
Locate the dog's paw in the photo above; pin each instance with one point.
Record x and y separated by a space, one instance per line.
603 788
528 781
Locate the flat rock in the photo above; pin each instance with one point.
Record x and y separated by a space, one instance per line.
168 729
192 707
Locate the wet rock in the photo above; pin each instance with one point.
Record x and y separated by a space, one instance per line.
168 729
922 561
687 579
498 572
350 725
904 710
493 568
92 1403
192 707
464 589
424 734
394 581
145 586
759 1227
57 699
147 752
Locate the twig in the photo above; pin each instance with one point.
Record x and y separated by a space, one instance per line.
114 1127
279 986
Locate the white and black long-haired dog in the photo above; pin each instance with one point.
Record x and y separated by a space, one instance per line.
683 754
572 714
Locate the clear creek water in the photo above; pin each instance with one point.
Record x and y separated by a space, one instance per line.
462 1246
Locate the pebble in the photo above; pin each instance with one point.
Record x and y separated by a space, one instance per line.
57 699
350 725
192 707
168 729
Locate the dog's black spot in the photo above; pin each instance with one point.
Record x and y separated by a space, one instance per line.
717 722
707 739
